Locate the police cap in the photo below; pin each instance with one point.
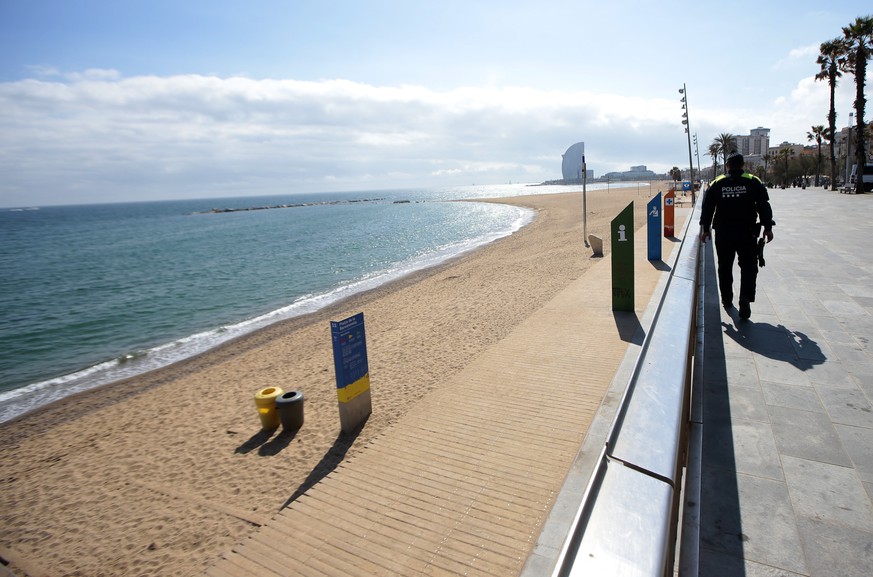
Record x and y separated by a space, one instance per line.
735 158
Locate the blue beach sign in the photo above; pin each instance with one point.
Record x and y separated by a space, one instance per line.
350 357
352 370
653 219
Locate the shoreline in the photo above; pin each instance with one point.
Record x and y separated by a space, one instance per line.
164 471
33 396
80 405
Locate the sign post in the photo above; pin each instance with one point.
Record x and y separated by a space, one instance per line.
653 220
623 260
669 209
352 371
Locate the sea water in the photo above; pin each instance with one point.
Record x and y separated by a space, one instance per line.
93 294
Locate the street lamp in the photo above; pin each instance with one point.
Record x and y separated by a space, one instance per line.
684 101
848 149
584 201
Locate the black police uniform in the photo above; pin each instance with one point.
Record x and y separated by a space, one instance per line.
736 200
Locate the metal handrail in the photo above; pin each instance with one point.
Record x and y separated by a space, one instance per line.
627 522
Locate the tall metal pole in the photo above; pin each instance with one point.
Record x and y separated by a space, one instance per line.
849 148
584 202
684 93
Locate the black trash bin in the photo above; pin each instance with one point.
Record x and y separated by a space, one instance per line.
290 408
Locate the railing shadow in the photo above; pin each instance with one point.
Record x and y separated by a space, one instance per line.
721 531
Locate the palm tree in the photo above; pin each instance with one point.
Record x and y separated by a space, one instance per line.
859 36
785 154
767 158
832 60
714 151
727 143
817 135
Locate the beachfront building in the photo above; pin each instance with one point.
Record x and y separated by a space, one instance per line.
790 150
571 165
635 173
754 146
844 150
789 162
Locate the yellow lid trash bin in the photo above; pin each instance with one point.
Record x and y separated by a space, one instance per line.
265 400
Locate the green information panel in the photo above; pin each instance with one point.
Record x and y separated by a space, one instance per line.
623 260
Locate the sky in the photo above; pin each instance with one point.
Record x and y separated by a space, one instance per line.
113 101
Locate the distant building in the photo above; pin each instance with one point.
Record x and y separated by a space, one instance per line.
844 150
571 166
754 146
635 173
794 150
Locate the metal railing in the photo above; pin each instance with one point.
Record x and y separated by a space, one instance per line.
627 522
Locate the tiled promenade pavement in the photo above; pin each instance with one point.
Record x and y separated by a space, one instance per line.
787 476
463 483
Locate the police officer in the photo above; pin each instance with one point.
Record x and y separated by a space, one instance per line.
736 199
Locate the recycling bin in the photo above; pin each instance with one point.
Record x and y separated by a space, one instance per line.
265 401
290 408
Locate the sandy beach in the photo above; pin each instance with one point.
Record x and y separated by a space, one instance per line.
160 474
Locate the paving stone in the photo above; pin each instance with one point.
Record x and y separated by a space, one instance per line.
807 435
836 550
800 397
844 308
828 492
781 370
717 564
742 371
748 403
830 373
847 406
858 442
752 518
744 446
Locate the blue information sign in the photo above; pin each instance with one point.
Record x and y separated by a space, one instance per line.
350 357
653 219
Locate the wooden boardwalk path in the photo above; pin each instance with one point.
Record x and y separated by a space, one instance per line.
463 483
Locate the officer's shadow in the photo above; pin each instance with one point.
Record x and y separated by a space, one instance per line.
775 342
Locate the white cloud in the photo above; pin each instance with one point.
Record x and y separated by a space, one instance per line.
808 105
97 135
800 56
805 53
93 74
